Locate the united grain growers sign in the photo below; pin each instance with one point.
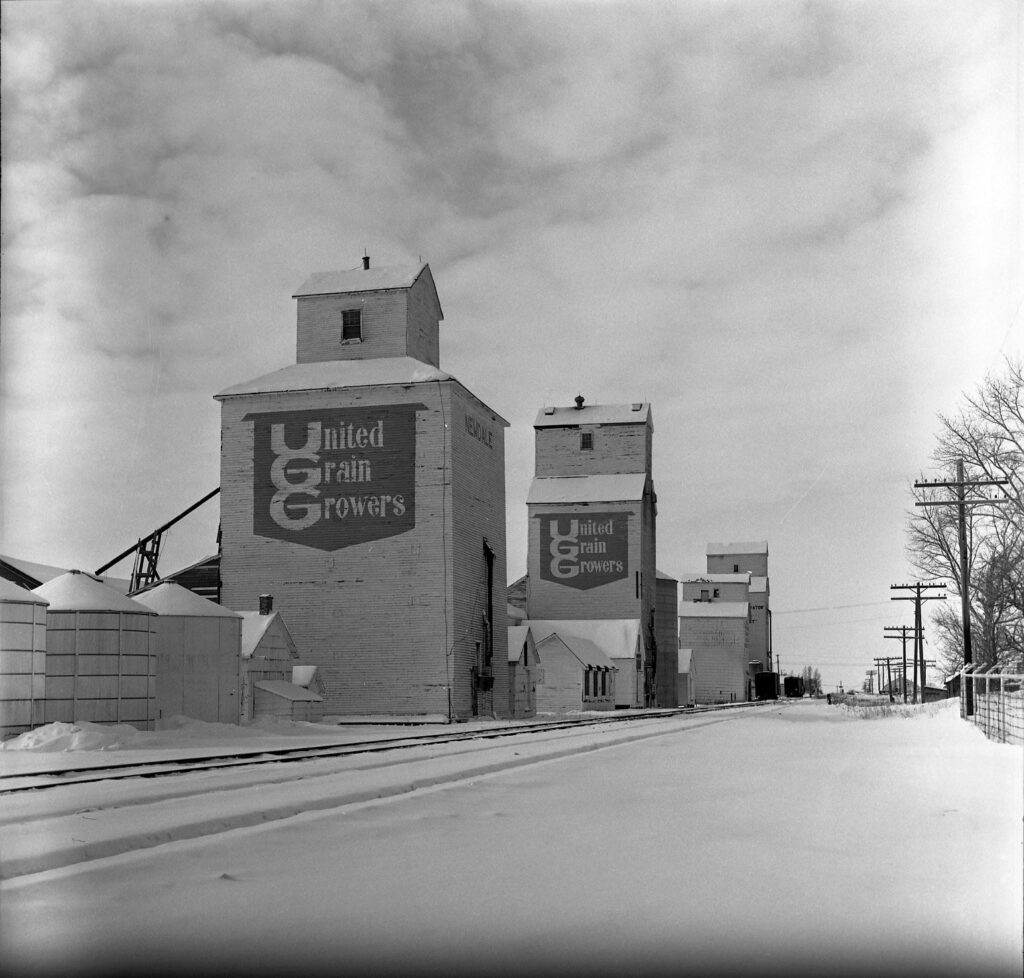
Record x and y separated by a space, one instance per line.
584 551
330 478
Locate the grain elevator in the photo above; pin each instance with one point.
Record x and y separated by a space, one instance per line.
364 488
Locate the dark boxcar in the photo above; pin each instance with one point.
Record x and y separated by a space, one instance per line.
766 685
794 686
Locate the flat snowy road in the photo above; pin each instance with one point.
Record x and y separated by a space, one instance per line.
782 840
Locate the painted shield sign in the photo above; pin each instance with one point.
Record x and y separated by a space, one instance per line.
584 551
330 478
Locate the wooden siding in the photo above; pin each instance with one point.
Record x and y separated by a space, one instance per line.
630 597
756 564
422 329
477 514
618 449
666 630
561 686
394 323
383 326
719 657
378 618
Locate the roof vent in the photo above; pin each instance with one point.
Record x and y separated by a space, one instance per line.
366 262
579 402
549 410
266 604
637 407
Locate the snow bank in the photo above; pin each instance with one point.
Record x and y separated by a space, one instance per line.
176 731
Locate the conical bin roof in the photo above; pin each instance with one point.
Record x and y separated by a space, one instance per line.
78 591
173 599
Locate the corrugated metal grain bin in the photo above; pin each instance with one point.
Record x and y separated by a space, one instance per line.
22 659
101 654
199 655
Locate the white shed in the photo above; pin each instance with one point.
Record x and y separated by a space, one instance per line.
522 671
576 675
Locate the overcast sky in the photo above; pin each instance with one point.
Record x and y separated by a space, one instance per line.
794 228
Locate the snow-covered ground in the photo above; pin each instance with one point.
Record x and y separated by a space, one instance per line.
784 839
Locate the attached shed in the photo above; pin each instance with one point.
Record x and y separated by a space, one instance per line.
286 701
199 655
268 652
522 672
575 675
22 659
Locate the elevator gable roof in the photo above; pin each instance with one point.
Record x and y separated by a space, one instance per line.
562 417
384 278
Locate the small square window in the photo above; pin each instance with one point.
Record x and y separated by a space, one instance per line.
351 325
586 441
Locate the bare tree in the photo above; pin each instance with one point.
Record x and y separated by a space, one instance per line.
988 435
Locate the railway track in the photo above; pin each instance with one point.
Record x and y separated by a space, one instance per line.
15 783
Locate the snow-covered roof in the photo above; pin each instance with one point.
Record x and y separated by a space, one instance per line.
173 599
584 650
254 627
78 591
588 488
361 279
11 593
517 636
333 374
721 549
758 585
742 578
685 660
288 691
617 638
714 609
561 417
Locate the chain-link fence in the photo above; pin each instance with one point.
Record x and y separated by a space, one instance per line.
997 702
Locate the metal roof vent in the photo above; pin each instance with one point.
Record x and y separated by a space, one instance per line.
579 402
366 262
549 410
637 406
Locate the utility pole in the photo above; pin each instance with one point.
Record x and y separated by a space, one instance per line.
902 629
961 501
919 596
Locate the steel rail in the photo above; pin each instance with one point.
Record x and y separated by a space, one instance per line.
169 767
